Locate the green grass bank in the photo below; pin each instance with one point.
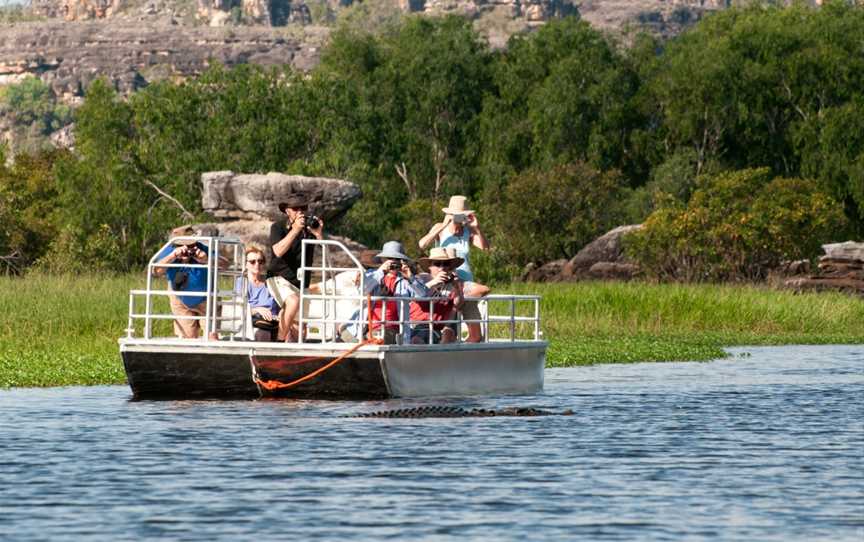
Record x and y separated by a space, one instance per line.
57 331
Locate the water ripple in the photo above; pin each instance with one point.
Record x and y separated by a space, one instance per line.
763 447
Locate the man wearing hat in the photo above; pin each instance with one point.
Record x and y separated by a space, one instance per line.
286 239
443 282
395 277
189 255
460 231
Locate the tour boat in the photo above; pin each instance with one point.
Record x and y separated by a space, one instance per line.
226 363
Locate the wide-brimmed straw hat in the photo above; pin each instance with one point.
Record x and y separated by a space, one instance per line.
441 254
293 199
392 250
457 206
184 231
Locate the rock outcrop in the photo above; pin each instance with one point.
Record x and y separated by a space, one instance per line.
606 249
69 56
841 268
601 259
248 205
225 194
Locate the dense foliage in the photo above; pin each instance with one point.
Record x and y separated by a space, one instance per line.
33 112
556 139
736 226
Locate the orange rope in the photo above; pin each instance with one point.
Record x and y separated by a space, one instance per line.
271 385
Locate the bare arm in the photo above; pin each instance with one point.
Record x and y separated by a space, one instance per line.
477 237
280 248
430 237
170 257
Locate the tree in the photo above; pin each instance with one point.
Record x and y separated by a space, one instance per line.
549 214
562 94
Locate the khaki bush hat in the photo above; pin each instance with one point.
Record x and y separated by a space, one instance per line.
457 206
440 254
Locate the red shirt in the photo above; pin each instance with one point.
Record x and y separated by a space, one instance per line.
442 310
390 308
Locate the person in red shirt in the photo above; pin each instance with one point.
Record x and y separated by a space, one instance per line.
394 278
443 283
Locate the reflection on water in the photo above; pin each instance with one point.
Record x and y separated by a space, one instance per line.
763 447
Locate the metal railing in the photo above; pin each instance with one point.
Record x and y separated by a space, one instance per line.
229 263
404 324
225 260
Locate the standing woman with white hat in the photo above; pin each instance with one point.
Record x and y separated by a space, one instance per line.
460 231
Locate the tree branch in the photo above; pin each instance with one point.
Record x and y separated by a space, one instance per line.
186 214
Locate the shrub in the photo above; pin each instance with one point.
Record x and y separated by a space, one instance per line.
544 215
737 226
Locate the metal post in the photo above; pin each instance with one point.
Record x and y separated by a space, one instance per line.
431 319
302 281
148 302
512 319
129 329
536 319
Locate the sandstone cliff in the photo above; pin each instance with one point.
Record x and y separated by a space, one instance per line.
68 56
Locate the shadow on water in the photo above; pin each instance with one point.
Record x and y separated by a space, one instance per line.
765 447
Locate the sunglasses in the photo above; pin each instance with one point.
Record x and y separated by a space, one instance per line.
255 261
442 265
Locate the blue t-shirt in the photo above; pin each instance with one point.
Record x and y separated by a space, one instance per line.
259 296
196 281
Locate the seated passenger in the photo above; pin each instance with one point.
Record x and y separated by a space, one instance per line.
395 277
264 309
443 282
185 278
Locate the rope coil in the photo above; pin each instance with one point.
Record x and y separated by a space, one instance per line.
271 385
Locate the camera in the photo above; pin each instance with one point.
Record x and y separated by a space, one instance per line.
395 265
313 222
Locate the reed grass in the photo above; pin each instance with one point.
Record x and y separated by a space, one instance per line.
63 330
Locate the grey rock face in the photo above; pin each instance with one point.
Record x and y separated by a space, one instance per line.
850 250
225 194
69 56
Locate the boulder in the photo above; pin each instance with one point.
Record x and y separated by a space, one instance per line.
548 272
841 268
228 195
850 251
613 271
607 248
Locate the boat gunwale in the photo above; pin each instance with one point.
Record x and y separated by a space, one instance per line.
264 348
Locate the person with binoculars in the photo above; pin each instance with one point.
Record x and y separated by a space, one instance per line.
186 254
286 241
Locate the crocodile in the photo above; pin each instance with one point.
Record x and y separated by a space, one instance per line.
457 412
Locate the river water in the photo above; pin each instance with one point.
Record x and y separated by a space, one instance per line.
765 445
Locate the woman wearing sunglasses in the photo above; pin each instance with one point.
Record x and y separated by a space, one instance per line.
265 310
